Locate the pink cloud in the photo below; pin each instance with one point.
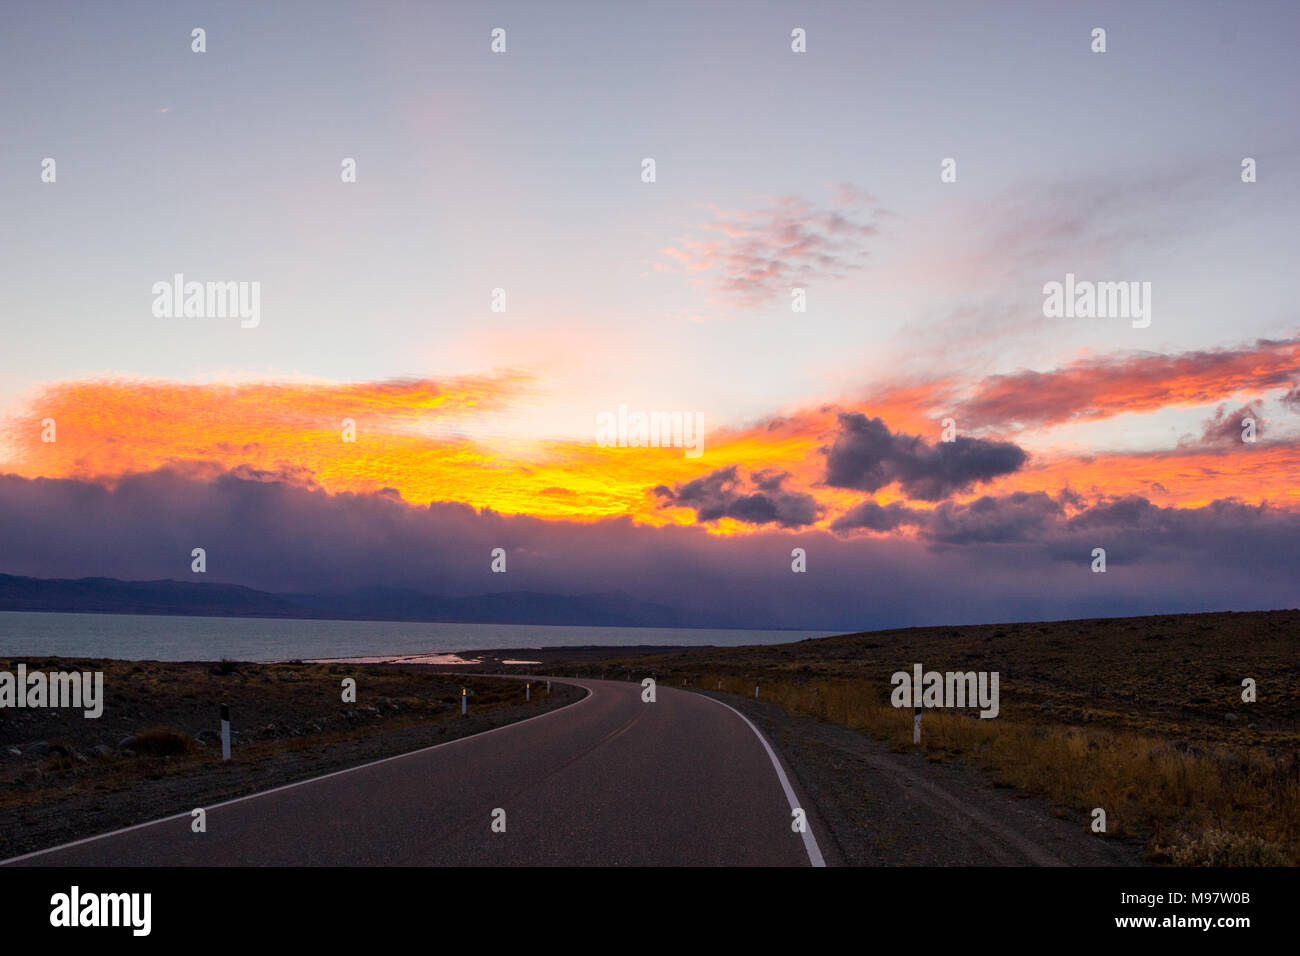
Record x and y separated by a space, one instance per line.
754 256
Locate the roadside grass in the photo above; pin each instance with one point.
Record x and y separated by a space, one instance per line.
161 720
1194 805
1144 717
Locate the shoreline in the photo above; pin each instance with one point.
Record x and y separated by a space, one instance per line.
485 657
491 659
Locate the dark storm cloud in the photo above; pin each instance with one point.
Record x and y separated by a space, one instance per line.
1013 558
1061 528
1019 516
722 494
871 516
867 456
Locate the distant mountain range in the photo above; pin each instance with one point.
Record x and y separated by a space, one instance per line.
111 596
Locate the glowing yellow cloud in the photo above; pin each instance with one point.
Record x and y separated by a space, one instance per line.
414 436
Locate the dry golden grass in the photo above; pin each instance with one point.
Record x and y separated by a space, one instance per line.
1246 804
1130 715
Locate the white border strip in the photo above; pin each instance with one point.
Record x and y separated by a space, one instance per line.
302 783
809 841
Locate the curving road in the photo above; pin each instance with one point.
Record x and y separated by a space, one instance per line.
609 780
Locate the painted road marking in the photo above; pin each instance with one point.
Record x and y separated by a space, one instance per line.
809 841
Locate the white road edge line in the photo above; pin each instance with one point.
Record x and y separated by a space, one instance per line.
809 841
303 783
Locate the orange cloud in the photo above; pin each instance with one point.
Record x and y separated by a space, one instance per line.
1185 478
1098 388
432 441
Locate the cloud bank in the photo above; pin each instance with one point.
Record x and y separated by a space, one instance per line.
1017 557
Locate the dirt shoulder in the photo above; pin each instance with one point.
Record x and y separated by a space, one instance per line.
878 807
155 751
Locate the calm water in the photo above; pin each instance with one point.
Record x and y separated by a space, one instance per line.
154 637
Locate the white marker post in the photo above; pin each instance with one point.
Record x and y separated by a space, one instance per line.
225 731
755 691
916 727
464 701
528 692
548 688
719 685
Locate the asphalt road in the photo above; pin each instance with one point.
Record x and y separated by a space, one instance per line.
610 780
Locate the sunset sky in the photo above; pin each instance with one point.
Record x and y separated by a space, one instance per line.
522 171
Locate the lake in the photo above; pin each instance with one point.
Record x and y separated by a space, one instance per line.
163 638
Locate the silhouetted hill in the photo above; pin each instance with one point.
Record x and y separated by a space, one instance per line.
111 596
